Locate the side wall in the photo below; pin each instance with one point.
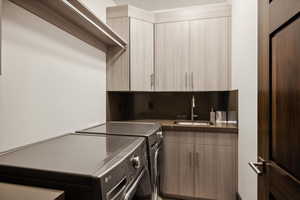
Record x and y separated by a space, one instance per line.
244 66
51 82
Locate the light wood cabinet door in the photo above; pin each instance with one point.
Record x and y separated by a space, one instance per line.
226 174
186 170
171 56
118 66
206 172
210 68
199 165
141 55
216 166
131 69
169 169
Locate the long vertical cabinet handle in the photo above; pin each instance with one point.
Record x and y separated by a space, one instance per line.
151 81
190 159
186 80
192 80
197 160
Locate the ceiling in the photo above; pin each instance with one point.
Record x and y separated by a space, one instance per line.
165 4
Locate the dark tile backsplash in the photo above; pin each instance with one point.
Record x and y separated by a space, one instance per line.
167 105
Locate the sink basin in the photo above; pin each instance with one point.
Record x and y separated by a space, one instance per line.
193 123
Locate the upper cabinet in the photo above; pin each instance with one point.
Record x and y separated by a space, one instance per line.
194 54
141 55
210 67
117 71
171 50
171 56
131 69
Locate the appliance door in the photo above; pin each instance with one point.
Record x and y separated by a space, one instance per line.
139 188
155 153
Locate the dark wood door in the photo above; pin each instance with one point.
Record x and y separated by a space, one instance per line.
278 163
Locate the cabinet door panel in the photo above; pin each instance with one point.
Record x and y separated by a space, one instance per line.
226 173
171 56
117 78
141 55
216 166
169 183
186 170
199 165
171 136
186 137
210 51
206 172
218 139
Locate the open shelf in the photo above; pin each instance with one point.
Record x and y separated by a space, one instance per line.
73 17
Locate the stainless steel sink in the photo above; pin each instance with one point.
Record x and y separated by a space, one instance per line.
193 123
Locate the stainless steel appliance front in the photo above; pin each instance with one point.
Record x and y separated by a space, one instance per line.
84 166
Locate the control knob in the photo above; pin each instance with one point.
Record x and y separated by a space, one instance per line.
160 134
136 163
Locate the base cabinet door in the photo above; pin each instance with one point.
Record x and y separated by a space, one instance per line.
199 165
226 176
169 181
206 179
215 166
186 170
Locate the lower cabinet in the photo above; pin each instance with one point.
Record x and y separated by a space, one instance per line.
186 170
206 172
199 165
169 169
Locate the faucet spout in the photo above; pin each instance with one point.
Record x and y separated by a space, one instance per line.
193 105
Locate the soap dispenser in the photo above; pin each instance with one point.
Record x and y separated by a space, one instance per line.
212 116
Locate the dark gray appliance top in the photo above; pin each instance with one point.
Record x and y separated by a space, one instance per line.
125 128
72 153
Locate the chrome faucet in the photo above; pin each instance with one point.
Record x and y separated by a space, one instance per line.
193 115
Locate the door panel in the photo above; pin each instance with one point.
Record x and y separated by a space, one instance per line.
118 62
209 54
279 100
206 171
171 56
283 186
216 166
281 11
169 169
286 98
186 170
226 173
141 55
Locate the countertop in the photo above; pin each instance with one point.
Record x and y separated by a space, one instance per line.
169 125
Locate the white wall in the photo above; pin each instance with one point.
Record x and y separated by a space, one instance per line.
51 82
244 64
